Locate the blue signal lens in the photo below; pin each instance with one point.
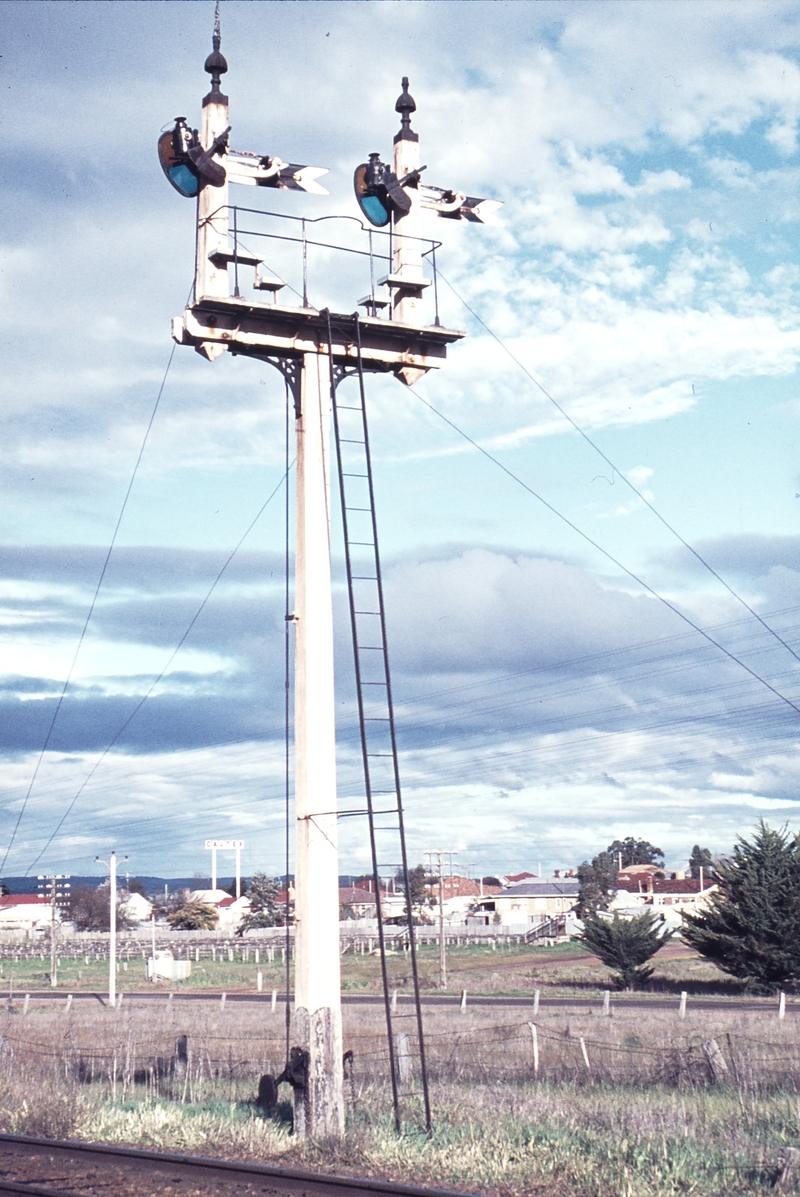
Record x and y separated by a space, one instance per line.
184 179
374 209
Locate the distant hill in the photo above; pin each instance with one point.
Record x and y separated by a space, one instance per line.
152 885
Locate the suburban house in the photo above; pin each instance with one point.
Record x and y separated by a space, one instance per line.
669 895
231 911
357 903
529 903
25 914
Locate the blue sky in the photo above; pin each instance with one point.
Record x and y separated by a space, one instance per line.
646 276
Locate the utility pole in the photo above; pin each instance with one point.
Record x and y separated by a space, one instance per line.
313 349
111 865
440 854
55 886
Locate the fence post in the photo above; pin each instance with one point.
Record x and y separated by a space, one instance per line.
26 1003
394 1001
535 1002
222 1001
274 1003
463 1000
782 1005
67 1004
404 1060
259 981
607 1003
682 1007
715 1060
535 1038
585 1056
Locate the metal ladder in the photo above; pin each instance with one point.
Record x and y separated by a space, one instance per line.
384 803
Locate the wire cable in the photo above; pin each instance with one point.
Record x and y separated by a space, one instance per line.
145 697
631 486
89 613
609 556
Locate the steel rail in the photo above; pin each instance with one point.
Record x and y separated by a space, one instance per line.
281 1180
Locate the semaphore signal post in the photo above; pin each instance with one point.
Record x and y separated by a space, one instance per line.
314 349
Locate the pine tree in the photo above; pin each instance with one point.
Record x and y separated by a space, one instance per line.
626 944
751 926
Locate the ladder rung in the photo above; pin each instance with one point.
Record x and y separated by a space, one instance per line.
364 578
375 648
374 683
358 509
364 544
366 612
376 719
380 754
346 440
346 475
346 407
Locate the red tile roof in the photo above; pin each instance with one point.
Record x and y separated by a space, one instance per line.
657 885
23 900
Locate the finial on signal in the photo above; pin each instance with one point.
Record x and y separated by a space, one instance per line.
405 106
215 65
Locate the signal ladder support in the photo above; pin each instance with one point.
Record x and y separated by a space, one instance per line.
384 803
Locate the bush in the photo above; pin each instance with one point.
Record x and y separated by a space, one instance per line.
626 944
194 916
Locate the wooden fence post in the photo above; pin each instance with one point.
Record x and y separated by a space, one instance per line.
682 1007
535 1002
463 1000
222 1001
404 1060
607 1003
535 1038
274 1003
782 1005
717 1068
26 1003
259 981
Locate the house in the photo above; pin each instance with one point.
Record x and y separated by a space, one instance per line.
459 895
670 896
231 911
135 907
25 914
530 902
357 903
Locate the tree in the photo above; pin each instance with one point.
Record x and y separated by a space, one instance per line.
751 925
194 916
90 909
598 883
700 859
635 852
418 882
265 909
626 944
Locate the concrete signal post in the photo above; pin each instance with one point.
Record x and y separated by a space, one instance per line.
307 346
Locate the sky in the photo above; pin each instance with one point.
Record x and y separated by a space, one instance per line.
567 668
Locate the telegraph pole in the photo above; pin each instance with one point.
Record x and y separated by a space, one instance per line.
55 885
440 854
111 865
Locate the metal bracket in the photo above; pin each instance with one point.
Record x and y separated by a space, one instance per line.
291 369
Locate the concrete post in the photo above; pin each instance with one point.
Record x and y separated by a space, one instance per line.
317 1027
112 939
211 279
407 250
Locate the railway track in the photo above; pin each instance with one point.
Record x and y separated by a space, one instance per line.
66 1168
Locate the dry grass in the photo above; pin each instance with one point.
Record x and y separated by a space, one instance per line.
642 1119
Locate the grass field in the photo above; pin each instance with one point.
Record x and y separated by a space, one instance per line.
513 970
641 1117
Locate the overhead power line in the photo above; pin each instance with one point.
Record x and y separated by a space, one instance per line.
609 556
631 486
89 613
145 697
